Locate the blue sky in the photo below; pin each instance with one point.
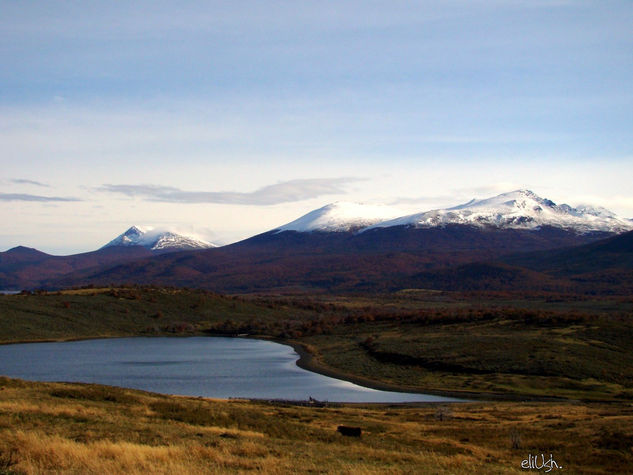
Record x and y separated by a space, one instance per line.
241 116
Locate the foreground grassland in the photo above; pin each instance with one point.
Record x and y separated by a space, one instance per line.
74 428
510 346
518 347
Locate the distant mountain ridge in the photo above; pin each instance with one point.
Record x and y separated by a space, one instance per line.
520 209
349 247
449 258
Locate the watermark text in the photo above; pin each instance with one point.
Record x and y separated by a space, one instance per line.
539 462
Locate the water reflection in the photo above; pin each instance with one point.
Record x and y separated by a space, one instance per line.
197 366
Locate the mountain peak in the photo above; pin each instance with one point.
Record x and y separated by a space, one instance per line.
135 230
521 197
157 240
340 216
21 249
131 236
24 251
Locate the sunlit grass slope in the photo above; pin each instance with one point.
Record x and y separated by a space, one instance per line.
72 428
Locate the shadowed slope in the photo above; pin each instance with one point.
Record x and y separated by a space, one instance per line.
378 259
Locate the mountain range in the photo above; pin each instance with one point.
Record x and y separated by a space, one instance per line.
353 247
521 209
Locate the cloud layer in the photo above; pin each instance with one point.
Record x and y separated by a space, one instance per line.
39 198
285 192
24 181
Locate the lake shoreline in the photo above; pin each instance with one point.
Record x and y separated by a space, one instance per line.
309 362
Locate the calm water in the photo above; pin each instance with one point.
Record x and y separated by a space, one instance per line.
197 366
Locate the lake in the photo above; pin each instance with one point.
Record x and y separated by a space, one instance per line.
214 367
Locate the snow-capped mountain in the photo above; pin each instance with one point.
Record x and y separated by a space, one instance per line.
520 209
157 240
341 217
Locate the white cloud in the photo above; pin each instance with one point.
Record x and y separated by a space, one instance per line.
285 192
24 181
38 198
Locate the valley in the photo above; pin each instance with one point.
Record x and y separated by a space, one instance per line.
439 342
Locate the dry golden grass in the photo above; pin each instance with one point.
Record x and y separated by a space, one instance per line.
72 428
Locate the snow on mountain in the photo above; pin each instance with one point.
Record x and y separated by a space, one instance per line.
520 209
157 240
341 217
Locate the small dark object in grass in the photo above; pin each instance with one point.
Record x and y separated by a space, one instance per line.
443 413
349 431
515 439
8 460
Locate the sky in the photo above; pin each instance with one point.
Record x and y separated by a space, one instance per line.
224 119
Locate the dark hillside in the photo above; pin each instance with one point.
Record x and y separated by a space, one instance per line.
377 260
604 267
23 268
611 253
